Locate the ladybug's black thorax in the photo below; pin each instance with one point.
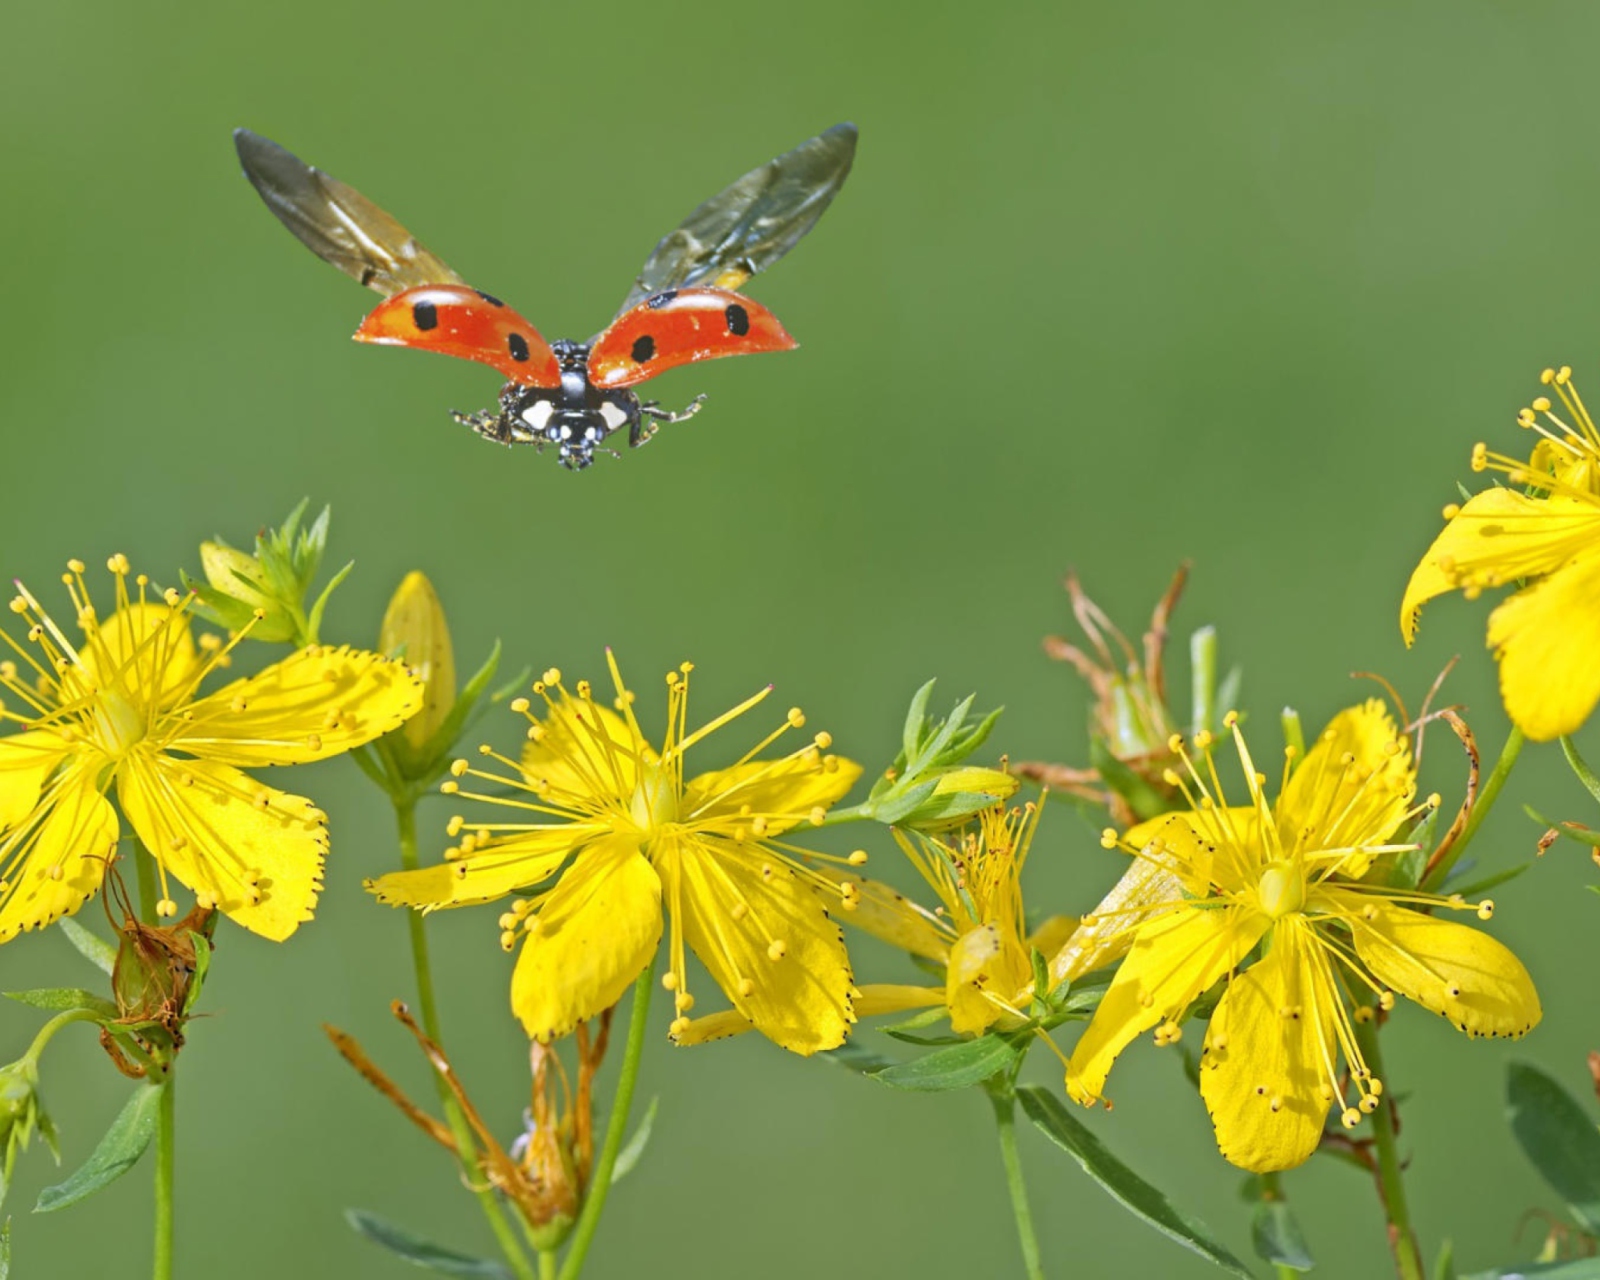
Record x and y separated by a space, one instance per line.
576 417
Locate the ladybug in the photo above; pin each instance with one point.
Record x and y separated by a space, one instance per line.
682 308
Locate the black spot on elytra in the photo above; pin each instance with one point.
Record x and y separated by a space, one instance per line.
518 346
656 302
425 315
489 298
738 319
644 348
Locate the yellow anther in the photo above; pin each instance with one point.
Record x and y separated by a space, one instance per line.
552 676
520 705
507 921
796 718
1203 740
1542 405
819 815
1171 778
1368 1104
1480 456
1231 720
1547 376
118 564
459 767
166 907
57 872
585 690
449 787
1175 743
75 565
747 987
858 858
1486 909
777 949
678 1026
1451 510
683 1002
508 940
1350 1118
823 741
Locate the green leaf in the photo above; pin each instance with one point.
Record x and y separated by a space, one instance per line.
1559 1138
119 1151
202 966
90 946
1488 882
633 1149
1138 1196
1582 1269
1228 691
903 805
855 1057
1444 1266
1581 768
1203 680
958 1067
60 999
420 1252
915 717
1277 1238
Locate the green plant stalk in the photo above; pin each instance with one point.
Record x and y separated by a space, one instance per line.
1391 1187
166 1110
547 1264
1005 1119
616 1127
405 812
1480 810
48 1031
166 1132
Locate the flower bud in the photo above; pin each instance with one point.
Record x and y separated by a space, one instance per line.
233 572
959 793
414 629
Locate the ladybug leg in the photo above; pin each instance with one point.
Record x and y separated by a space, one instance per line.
491 426
653 409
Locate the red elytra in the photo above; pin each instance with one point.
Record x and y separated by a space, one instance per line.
456 320
682 326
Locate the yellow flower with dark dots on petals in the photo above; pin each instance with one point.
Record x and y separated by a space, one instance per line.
1288 877
1545 535
637 840
120 711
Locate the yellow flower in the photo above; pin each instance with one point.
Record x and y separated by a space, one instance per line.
1546 637
121 710
1289 878
637 839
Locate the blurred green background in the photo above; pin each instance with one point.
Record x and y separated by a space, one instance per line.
1111 286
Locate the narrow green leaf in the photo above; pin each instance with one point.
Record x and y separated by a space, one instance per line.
420 1252
1581 1269
935 1041
1558 1137
1277 1237
633 1149
1123 1184
1444 1266
202 966
957 1067
1294 735
89 945
1203 680
915 714
60 999
1228 692
119 1150
1581 767
892 811
5 1250
855 1057
1488 882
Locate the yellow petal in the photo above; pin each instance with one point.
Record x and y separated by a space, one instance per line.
1269 1055
1499 536
583 750
887 914
1457 971
1333 805
314 704
1547 639
984 963
877 998
53 861
501 867
1147 887
1175 958
773 789
763 935
144 651
1052 934
26 760
252 852
596 930
712 1026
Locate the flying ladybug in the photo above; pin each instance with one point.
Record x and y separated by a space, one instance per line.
682 308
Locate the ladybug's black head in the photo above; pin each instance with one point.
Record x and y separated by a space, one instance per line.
576 433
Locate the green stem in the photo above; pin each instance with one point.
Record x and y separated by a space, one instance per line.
616 1126
405 812
1005 1119
145 865
48 1031
1391 1187
547 1264
166 1126
1480 808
